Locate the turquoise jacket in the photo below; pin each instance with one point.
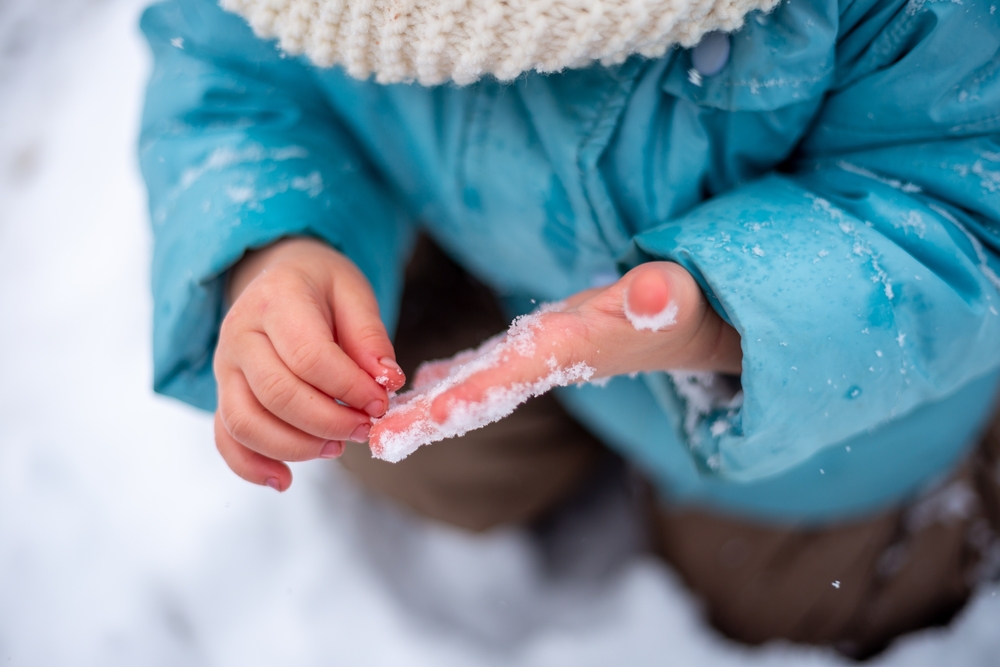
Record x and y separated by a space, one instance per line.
835 190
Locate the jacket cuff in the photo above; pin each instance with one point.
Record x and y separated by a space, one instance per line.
833 312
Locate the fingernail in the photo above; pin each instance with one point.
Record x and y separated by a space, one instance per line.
375 408
332 449
390 364
273 483
360 433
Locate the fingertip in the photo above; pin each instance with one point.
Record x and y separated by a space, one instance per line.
248 464
649 292
270 473
376 408
390 375
332 449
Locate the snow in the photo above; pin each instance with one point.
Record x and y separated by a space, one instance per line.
125 541
909 188
437 377
221 158
661 320
989 178
703 393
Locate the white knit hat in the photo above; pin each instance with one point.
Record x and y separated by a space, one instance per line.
432 41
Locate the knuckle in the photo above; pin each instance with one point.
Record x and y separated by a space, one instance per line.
277 391
351 387
241 425
273 283
271 290
371 334
305 358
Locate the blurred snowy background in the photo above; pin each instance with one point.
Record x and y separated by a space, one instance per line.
124 540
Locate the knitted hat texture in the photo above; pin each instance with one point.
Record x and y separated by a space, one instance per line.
433 41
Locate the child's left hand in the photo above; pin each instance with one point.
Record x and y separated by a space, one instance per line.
593 328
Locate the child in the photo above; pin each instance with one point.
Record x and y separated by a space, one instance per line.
802 205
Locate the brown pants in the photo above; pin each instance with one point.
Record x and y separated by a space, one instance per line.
855 586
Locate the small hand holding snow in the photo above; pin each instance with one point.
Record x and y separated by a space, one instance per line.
303 361
653 318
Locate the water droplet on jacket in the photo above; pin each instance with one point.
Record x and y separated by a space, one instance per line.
854 392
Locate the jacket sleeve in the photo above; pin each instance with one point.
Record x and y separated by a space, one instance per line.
239 148
862 278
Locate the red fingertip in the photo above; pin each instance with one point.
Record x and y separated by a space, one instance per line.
648 293
332 449
391 377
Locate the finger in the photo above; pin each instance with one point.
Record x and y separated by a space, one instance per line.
246 420
401 419
248 464
360 330
509 382
557 343
432 372
296 402
304 341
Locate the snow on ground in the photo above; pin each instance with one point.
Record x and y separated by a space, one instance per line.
124 540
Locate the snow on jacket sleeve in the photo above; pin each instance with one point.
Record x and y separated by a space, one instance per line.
860 280
239 149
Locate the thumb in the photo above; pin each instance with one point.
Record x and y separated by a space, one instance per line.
663 299
650 302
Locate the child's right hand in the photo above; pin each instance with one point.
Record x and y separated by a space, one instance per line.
297 359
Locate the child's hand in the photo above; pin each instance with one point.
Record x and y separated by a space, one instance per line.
303 333
668 325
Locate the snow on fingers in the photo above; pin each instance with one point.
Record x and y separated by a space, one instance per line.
412 409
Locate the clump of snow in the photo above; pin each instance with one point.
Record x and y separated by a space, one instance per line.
913 222
989 179
704 393
438 377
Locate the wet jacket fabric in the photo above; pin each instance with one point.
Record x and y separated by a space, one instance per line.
834 188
